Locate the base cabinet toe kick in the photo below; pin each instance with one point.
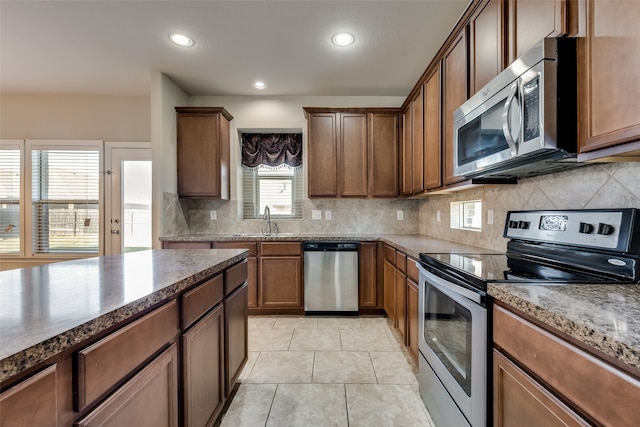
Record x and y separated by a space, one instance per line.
176 365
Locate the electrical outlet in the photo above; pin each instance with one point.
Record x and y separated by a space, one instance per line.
213 215
400 215
316 214
327 215
438 216
489 216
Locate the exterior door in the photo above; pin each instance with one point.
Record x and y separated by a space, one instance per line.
127 197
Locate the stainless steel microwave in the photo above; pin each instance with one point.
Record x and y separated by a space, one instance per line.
524 122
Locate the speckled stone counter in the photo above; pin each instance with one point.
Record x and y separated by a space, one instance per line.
411 244
47 309
604 317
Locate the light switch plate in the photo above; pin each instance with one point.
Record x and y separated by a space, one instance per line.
438 216
400 215
327 215
489 216
316 214
213 215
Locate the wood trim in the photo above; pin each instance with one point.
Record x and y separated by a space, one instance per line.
198 301
235 276
280 248
205 111
375 110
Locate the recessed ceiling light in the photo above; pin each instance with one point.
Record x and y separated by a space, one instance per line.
181 40
260 85
343 39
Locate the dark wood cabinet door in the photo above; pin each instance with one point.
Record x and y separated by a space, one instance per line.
149 399
432 135
486 44
454 71
412 318
186 245
389 289
236 333
203 369
383 154
417 143
203 158
354 170
609 71
33 402
401 304
281 282
532 20
519 400
368 289
252 266
407 153
323 155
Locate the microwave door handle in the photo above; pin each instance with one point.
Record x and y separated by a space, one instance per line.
506 120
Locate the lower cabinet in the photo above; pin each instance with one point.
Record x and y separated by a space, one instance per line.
235 333
203 370
389 279
281 276
32 402
149 399
412 318
400 319
368 293
252 267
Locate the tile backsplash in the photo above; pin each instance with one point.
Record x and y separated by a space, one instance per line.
615 185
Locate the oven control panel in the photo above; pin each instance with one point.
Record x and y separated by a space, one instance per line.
605 229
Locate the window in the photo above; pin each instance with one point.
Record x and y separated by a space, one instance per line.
272 174
10 218
65 198
467 215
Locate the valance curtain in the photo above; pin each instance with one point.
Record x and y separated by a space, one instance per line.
271 149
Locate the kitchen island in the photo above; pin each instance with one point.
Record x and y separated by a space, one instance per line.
79 339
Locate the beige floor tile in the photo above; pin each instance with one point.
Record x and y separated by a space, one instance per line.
396 340
315 339
392 367
269 339
365 340
374 322
339 322
292 322
251 360
250 406
308 405
340 367
282 367
260 322
384 405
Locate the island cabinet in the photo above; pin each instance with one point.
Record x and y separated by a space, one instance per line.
203 152
34 402
543 379
252 267
352 152
280 277
609 69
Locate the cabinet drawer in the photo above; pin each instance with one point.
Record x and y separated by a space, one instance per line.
604 393
281 248
186 245
198 301
401 261
235 276
103 364
412 269
390 254
252 247
32 402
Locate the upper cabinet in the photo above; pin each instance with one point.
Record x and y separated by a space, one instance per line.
352 152
608 75
203 152
432 135
486 44
413 147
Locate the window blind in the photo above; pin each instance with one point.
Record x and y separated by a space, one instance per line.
65 200
10 199
279 188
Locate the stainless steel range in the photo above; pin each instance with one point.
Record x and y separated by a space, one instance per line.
571 246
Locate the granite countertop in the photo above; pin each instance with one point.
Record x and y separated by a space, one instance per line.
411 244
47 309
604 317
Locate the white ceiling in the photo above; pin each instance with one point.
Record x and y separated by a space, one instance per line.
112 47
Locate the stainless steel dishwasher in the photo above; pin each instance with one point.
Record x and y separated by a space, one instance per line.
331 277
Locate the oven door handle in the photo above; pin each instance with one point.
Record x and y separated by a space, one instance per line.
451 287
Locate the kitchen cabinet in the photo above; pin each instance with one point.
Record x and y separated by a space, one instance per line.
352 152
539 375
432 135
33 402
281 276
407 153
252 267
608 72
454 88
400 289
532 20
389 278
412 308
413 147
236 335
486 41
203 152
368 291
186 245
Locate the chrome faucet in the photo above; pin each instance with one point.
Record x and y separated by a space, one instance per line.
267 217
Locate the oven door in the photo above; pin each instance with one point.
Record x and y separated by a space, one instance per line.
453 341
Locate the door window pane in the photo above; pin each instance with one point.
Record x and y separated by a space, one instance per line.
136 195
10 201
